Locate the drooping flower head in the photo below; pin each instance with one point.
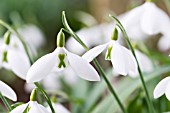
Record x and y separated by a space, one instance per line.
13 56
31 107
122 59
58 60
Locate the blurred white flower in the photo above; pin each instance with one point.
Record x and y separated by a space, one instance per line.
146 20
58 60
144 62
33 37
14 57
58 108
33 107
6 91
163 87
122 59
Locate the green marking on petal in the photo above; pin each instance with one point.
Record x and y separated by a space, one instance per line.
62 63
108 55
4 59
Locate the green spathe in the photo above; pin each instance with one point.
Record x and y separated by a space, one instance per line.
33 96
7 37
114 35
60 39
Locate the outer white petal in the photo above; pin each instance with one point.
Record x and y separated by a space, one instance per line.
41 68
59 108
154 20
167 91
94 52
7 91
37 108
20 109
82 67
131 22
29 87
18 62
161 87
119 59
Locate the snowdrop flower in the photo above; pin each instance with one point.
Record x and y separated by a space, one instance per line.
58 61
31 107
13 56
122 59
59 108
144 62
146 20
6 91
163 87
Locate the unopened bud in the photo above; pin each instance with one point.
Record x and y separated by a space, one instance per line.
60 39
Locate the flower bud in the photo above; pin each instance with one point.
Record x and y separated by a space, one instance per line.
114 35
33 94
7 37
60 39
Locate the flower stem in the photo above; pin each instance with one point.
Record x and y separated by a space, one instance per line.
12 30
46 96
150 105
5 102
71 32
109 85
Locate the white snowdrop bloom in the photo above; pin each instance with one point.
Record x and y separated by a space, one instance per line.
32 106
147 19
144 62
122 59
6 91
13 56
58 60
58 108
163 87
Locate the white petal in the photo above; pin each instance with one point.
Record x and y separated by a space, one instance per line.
41 68
154 20
18 62
164 43
94 52
29 87
167 91
59 108
37 108
119 59
7 91
82 67
19 109
161 87
131 23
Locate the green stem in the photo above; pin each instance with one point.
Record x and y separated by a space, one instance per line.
31 61
46 96
68 29
5 102
150 105
109 85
